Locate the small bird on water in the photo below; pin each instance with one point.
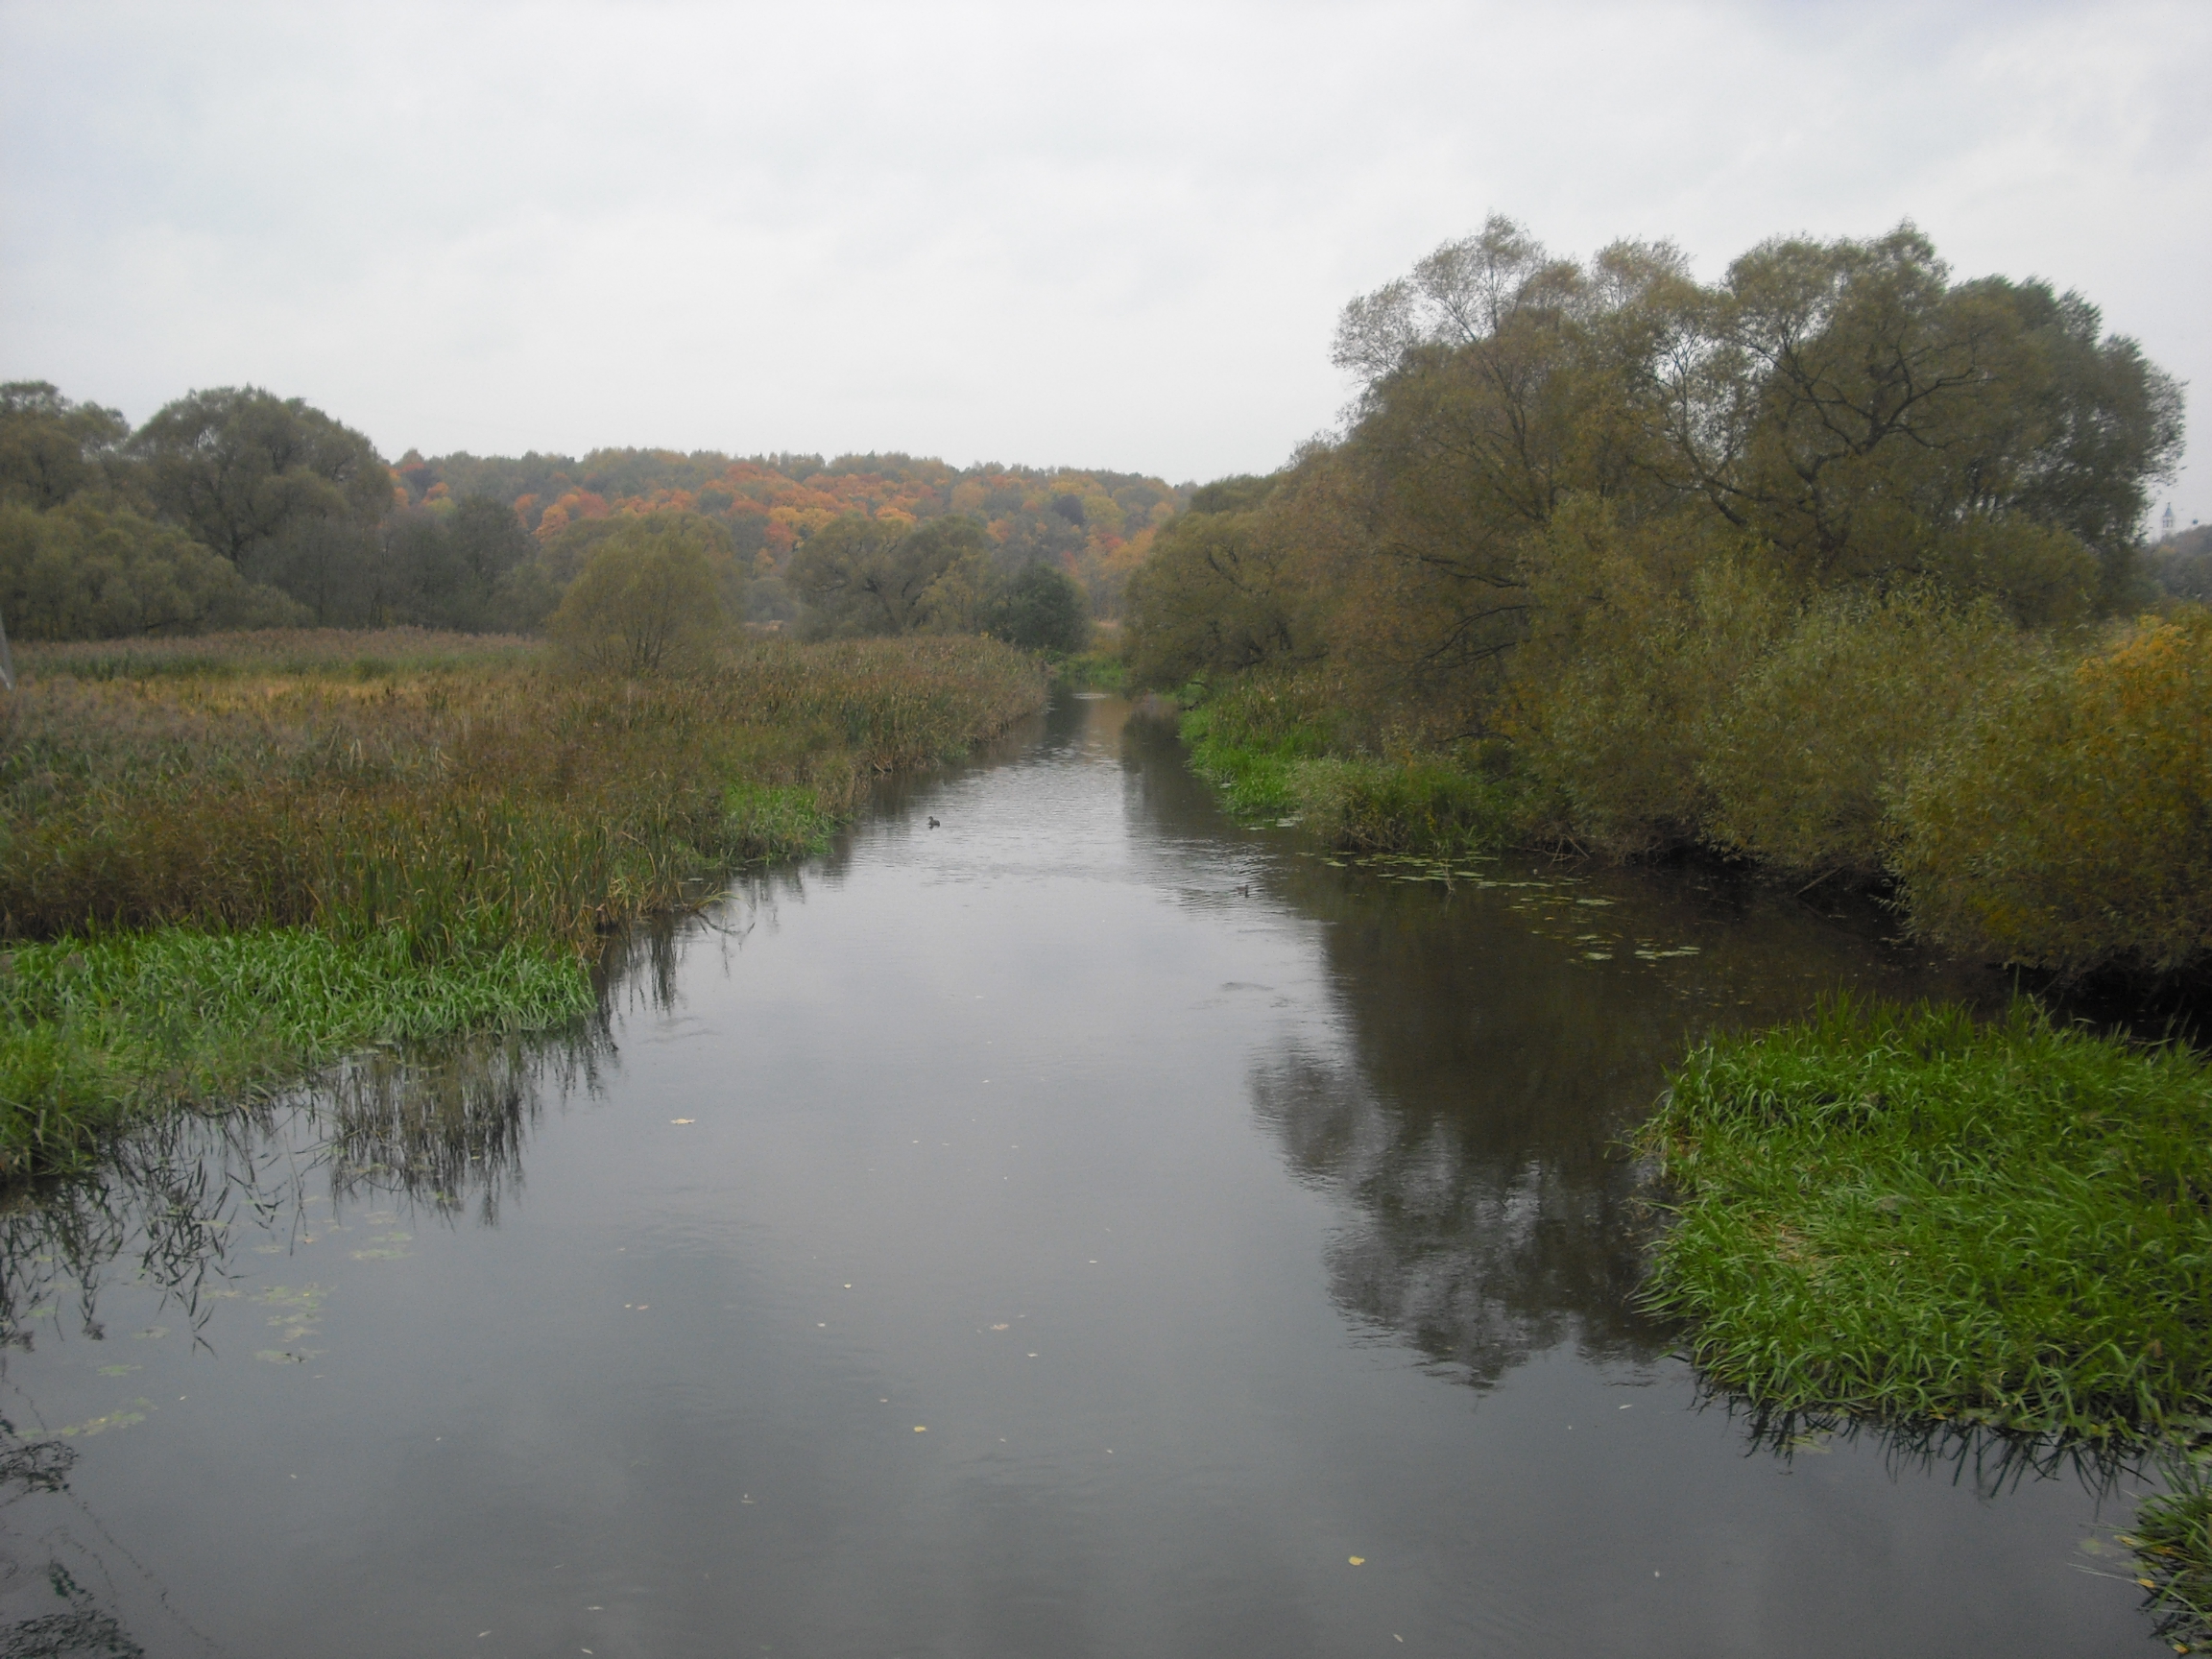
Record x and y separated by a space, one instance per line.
933 824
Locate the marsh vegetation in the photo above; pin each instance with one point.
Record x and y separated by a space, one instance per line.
227 858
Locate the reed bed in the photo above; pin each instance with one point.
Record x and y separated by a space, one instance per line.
407 804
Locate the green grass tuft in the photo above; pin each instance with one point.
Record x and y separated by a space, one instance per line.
1268 753
95 1032
1899 1212
2173 1541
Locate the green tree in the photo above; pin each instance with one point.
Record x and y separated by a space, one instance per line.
51 448
1498 381
239 468
859 576
446 564
1039 608
85 572
644 603
1222 593
1850 405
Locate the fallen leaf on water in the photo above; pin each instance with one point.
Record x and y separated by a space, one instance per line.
1356 1560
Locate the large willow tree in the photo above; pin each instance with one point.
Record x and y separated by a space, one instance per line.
1833 414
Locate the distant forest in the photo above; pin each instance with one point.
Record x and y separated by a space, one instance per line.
236 508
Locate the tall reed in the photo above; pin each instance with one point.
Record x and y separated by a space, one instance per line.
224 860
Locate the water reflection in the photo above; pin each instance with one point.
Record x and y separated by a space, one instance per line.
1463 1235
441 1129
1990 1461
444 1129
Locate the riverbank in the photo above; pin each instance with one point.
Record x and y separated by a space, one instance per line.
229 859
2058 819
1267 751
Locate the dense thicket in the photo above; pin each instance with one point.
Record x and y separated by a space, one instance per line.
1735 564
310 523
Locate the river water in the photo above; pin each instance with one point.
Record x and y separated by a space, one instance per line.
1088 1227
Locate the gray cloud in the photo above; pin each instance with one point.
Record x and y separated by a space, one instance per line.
1114 236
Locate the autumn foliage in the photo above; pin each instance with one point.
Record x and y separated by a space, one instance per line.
2068 824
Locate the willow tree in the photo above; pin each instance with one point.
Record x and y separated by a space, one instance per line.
644 603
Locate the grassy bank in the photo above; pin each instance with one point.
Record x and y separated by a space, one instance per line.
94 1031
1902 1213
230 858
1266 744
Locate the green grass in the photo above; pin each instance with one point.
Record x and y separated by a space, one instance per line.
1899 1212
1268 749
764 821
2172 1542
94 1033
1094 670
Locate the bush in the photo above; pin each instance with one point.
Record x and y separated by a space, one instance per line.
644 603
2067 822
1799 761
1640 643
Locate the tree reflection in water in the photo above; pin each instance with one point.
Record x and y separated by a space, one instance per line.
1477 1250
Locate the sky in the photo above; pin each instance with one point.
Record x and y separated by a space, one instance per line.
1112 236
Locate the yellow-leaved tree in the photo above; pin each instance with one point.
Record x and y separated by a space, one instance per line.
2067 824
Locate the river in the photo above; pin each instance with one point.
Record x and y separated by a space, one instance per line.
1086 1227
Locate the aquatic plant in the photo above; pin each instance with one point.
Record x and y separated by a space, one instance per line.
2172 1543
1902 1213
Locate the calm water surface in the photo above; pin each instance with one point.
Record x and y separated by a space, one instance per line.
1086 1228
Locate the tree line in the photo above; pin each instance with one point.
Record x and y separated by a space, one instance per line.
235 508
1834 564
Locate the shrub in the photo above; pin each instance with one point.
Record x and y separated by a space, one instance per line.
2067 822
1800 758
1640 642
644 603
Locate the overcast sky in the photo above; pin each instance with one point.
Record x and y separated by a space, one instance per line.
1112 236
